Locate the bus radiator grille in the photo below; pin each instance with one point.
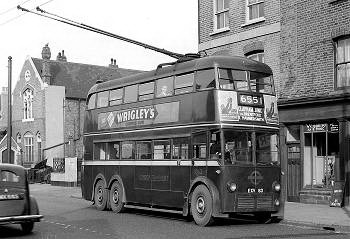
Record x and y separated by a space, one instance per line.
251 201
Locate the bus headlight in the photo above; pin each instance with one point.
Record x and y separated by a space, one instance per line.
277 202
276 186
231 187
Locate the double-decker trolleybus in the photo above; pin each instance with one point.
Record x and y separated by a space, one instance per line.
198 137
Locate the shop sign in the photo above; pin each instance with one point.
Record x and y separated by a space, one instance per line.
334 127
316 127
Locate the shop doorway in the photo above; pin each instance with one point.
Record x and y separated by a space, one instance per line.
293 172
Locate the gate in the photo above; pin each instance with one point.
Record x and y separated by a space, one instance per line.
293 172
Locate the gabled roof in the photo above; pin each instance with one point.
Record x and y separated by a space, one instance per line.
78 78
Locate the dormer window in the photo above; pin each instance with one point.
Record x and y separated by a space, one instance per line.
28 104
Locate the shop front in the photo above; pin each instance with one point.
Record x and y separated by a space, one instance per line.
315 150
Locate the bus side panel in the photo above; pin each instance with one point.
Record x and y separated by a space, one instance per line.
87 183
142 184
203 107
179 184
127 175
111 171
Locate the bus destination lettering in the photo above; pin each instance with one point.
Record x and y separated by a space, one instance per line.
248 113
161 113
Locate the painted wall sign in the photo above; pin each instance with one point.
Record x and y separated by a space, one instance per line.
147 115
255 111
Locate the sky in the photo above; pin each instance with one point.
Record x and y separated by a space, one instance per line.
168 24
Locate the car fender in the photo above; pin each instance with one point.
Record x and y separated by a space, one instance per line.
34 208
213 191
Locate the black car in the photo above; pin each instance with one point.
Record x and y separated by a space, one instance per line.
16 204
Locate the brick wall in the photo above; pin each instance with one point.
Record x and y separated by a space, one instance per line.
307 47
74 120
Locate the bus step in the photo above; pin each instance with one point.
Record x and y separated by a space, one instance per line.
153 209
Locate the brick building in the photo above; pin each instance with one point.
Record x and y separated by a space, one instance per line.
49 102
314 97
307 45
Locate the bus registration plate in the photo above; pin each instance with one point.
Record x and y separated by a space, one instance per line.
254 190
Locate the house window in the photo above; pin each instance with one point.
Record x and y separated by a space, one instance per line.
257 56
255 10
38 140
28 147
343 62
221 14
28 104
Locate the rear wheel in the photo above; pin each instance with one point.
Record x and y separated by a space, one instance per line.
27 227
100 196
202 206
116 197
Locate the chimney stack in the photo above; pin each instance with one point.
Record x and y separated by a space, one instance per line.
61 56
46 55
113 63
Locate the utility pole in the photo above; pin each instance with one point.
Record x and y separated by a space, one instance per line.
9 115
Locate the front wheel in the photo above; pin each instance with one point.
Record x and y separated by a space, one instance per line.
27 227
100 196
116 197
202 206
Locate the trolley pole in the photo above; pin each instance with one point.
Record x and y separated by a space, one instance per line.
9 115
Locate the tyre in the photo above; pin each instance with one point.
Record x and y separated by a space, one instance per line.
100 196
202 206
27 227
116 197
263 217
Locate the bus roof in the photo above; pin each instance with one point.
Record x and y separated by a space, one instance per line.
232 62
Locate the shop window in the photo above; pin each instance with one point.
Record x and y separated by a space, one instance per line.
343 62
221 15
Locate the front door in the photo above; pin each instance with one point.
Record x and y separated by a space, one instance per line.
293 172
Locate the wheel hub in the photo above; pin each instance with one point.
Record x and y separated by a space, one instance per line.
115 197
200 205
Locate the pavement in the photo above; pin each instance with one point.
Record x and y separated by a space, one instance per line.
314 215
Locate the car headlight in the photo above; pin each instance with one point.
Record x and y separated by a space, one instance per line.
276 186
231 187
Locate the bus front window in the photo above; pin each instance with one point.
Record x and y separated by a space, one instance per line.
266 148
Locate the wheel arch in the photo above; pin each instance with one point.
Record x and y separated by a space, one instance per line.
120 180
97 178
213 191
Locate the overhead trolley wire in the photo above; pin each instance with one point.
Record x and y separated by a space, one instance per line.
58 18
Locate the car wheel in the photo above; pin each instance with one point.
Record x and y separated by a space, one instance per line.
100 196
116 197
27 227
202 206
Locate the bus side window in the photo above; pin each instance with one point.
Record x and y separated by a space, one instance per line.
165 87
113 152
143 150
200 146
180 148
161 149
116 97
100 151
130 94
146 91
205 79
184 83
102 99
128 150
92 102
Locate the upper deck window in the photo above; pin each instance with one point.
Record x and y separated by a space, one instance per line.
165 87
205 79
146 91
130 94
233 79
261 83
92 102
102 99
116 97
184 83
